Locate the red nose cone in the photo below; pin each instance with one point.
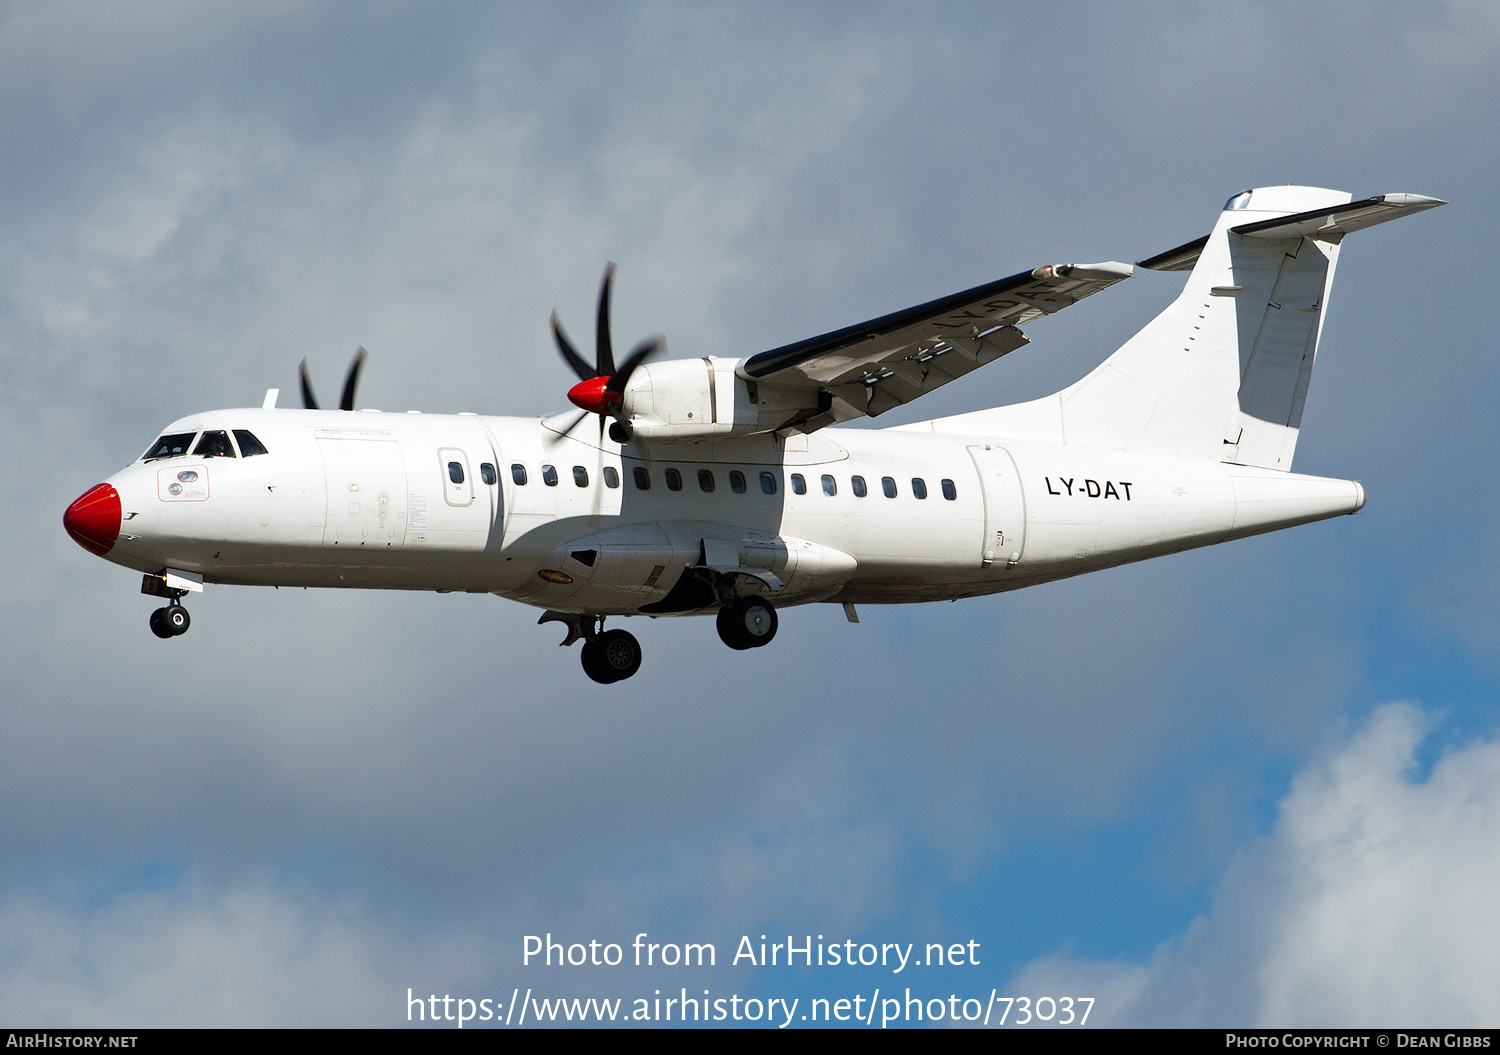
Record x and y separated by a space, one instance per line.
94 519
591 395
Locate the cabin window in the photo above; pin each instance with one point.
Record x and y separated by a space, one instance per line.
888 485
170 446
858 483
580 476
830 485
918 487
487 472
214 445
549 476
737 481
949 491
642 478
456 472
518 474
249 445
611 477
674 480
768 483
799 485
705 480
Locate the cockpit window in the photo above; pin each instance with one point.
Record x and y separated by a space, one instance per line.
249 445
214 444
1239 201
171 446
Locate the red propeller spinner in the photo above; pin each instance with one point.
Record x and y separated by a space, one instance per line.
601 388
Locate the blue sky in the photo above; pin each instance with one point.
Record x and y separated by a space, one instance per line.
318 800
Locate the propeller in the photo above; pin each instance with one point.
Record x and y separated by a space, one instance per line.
346 401
600 389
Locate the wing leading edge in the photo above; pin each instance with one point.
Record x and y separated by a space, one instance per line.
873 366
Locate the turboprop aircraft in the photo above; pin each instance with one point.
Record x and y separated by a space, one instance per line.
718 486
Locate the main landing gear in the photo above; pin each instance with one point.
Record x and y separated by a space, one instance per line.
747 623
608 655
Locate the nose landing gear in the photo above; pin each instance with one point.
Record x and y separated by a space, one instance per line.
608 655
171 621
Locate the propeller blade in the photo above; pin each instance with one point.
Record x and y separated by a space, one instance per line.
307 394
638 355
604 351
569 353
346 402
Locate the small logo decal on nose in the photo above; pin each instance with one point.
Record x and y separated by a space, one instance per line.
175 489
187 476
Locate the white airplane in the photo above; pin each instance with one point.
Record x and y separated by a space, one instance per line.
719 488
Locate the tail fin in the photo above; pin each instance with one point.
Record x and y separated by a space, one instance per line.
1222 373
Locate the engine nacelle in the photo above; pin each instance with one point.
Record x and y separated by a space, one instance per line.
698 399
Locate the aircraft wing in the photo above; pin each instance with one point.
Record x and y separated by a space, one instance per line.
870 367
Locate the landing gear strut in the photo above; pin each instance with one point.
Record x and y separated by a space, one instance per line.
747 623
608 655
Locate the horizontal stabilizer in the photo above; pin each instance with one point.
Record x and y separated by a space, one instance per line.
1330 225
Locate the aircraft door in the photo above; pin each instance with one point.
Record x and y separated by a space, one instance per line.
366 480
1004 507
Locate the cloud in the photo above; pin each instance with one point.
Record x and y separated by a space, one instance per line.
1371 903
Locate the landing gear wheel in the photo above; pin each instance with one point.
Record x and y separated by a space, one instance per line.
612 656
159 625
175 618
747 623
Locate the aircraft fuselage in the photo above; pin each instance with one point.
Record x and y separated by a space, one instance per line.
373 500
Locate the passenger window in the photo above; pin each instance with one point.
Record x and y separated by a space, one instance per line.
830 485
214 445
518 474
674 480
888 485
858 483
170 446
768 483
456 472
799 485
611 477
705 480
549 476
487 472
580 476
249 445
918 487
642 478
949 491
737 481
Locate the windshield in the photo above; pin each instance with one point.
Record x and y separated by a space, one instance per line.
169 446
214 445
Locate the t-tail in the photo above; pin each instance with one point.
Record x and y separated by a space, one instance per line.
1222 374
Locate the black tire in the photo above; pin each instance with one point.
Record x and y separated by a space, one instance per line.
176 618
593 663
159 625
747 623
620 653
